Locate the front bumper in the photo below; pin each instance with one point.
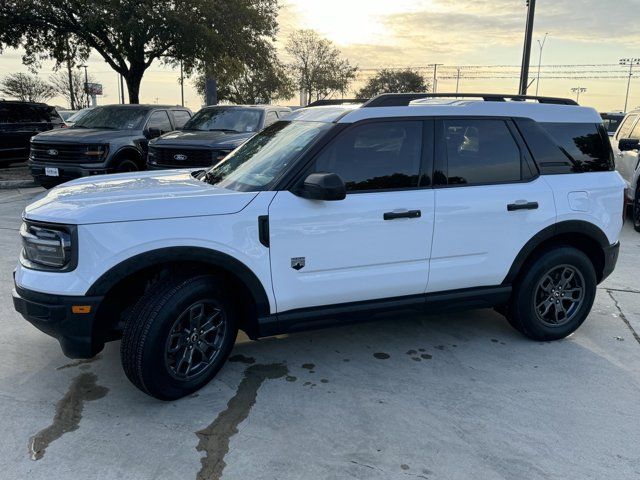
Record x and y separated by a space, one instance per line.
610 259
52 315
66 171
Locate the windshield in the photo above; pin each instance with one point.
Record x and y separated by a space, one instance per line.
113 118
78 115
612 123
259 161
226 119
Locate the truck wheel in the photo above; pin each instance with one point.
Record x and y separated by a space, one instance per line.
636 210
127 165
178 336
554 296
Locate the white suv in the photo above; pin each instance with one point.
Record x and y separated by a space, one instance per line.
405 202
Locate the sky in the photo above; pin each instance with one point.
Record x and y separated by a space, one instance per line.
483 38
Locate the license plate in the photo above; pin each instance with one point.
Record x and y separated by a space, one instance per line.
51 172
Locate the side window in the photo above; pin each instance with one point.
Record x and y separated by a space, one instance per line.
271 117
635 133
481 151
625 128
586 143
160 119
376 156
180 117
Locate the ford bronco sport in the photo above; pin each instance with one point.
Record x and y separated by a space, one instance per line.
408 201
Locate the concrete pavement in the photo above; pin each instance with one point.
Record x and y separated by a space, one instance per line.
457 396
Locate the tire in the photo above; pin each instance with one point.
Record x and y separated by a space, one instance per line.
540 306
154 359
126 165
635 210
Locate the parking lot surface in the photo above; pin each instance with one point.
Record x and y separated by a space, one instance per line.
447 396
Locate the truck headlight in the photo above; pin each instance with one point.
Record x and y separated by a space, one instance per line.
46 247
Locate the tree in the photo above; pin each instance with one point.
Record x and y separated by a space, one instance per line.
317 65
27 88
262 80
394 81
131 34
72 91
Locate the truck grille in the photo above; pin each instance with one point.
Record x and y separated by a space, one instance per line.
59 152
183 157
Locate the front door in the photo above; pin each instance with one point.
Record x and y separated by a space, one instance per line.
627 161
376 242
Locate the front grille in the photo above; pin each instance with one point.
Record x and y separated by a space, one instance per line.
44 152
182 157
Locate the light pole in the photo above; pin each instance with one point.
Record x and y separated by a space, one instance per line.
526 53
578 91
435 75
541 45
630 62
86 81
457 80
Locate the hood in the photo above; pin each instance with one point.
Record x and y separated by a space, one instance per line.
84 135
183 138
135 196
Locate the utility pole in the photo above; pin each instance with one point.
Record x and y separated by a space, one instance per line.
121 89
181 85
630 62
435 75
526 54
457 79
541 45
578 91
86 81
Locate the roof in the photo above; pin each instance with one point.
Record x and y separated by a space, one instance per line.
259 107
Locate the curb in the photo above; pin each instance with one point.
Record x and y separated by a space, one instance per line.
13 184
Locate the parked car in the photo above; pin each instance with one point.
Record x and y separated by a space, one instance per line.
626 146
77 116
612 121
409 201
210 135
19 121
107 139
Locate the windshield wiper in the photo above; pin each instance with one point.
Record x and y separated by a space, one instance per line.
223 130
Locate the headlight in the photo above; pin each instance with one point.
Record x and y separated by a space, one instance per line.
46 247
97 152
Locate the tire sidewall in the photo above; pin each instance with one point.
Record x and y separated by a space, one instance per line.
526 290
155 375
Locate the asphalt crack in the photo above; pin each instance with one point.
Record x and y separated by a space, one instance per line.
214 439
623 316
69 409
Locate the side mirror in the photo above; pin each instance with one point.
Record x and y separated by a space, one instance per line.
153 132
323 186
627 144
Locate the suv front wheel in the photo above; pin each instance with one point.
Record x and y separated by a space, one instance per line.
555 295
178 336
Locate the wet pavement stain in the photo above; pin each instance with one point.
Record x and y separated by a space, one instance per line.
79 363
291 378
381 355
308 366
426 356
404 466
69 409
242 359
214 439
411 352
324 380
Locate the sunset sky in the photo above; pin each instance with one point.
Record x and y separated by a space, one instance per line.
483 37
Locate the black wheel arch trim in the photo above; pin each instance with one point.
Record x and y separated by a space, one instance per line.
214 258
121 151
570 226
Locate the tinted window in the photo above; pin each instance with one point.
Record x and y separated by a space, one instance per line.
113 118
375 156
635 133
225 119
481 151
611 123
627 125
181 117
271 117
27 113
586 143
160 119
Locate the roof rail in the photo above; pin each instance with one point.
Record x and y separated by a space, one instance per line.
403 99
336 101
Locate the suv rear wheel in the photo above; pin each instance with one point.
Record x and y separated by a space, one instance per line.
178 336
554 296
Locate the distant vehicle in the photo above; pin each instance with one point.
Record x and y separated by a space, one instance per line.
612 121
626 147
65 114
70 121
19 121
107 139
211 135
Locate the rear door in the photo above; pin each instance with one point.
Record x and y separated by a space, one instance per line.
489 202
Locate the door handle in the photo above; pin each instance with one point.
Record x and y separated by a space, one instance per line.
406 214
522 206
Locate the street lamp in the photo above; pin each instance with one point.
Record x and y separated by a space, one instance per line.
541 45
630 62
86 81
578 91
